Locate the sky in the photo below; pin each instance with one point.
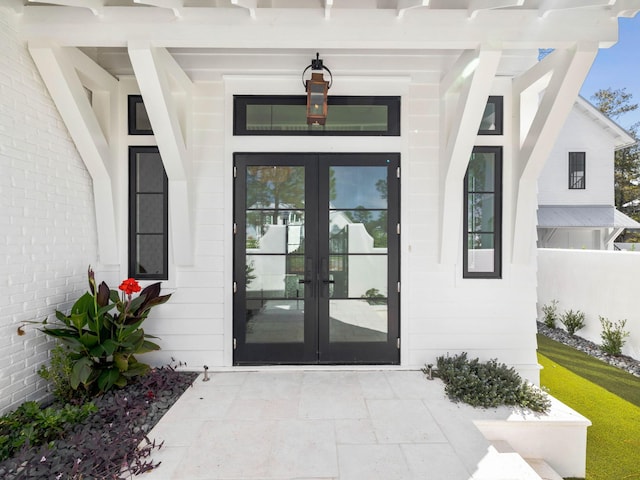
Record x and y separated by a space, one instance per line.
618 67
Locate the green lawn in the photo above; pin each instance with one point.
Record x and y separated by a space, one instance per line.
617 381
588 386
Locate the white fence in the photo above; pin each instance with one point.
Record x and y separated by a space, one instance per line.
597 282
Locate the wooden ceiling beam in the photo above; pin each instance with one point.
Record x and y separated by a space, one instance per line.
354 29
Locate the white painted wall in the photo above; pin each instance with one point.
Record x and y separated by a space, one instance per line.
440 311
47 222
600 283
579 134
443 312
190 326
575 238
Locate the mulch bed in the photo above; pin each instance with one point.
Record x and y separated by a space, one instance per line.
106 444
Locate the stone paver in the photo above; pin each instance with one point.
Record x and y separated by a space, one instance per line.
317 424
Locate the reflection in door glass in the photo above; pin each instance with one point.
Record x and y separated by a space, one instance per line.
274 262
358 305
362 320
275 187
358 231
358 187
358 262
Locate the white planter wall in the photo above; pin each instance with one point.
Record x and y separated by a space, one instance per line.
600 283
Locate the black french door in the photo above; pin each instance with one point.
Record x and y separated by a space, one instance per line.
316 258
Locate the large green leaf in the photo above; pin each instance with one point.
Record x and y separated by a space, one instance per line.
105 309
88 340
79 320
81 372
109 346
148 347
96 351
60 332
92 324
135 337
121 361
114 296
129 329
136 369
121 381
73 344
83 304
108 378
63 318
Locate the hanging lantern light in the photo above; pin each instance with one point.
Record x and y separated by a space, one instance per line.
317 91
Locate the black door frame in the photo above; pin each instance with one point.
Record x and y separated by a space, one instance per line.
317 349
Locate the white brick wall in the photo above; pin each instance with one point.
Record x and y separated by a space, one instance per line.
47 224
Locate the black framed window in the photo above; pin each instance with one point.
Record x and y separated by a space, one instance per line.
577 171
148 215
482 253
139 123
286 115
492 118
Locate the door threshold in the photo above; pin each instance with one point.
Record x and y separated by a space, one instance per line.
302 368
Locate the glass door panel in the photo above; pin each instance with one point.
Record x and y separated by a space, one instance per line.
314 258
358 233
274 248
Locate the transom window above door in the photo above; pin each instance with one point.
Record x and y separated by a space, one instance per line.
286 115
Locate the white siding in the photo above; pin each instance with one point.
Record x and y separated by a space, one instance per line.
190 326
46 218
440 312
579 134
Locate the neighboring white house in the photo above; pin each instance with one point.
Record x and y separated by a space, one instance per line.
441 119
576 187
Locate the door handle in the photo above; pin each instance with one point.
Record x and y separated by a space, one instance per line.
325 276
308 275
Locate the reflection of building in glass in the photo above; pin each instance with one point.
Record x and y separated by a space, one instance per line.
275 252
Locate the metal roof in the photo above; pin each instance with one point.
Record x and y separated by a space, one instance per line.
583 216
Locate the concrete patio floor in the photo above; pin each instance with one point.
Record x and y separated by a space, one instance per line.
328 424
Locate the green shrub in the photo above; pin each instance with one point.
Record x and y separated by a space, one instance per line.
550 314
103 333
58 374
374 297
613 335
30 426
572 321
488 384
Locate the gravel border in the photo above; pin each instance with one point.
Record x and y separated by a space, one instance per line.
623 362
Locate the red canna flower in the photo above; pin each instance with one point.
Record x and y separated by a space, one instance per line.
130 286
